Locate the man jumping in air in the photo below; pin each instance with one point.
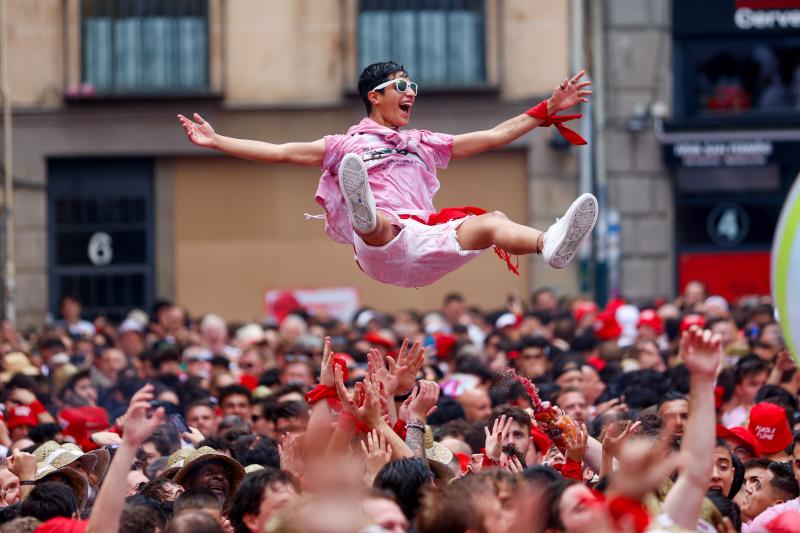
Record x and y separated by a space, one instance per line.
378 183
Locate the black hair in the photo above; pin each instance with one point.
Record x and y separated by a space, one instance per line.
142 513
248 496
457 428
217 443
49 500
727 507
74 379
472 365
507 391
642 388
291 409
451 296
44 432
264 452
447 409
194 522
750 365
777 395
405 478
672 396
198 498
783 480
373 75
232 390
541 475
514 413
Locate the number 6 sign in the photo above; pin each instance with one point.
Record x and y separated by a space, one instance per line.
100 251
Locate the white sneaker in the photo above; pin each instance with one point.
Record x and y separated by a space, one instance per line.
563 238
354 184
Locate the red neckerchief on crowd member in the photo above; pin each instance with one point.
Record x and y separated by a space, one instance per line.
571 469
454 213
321 392
61 524
540 111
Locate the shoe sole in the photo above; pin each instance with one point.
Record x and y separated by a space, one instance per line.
354 184
582 216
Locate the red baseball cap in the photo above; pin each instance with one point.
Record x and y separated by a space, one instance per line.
769 425
741 435
692 320
585 308
80 422
650 318
21 415
373 337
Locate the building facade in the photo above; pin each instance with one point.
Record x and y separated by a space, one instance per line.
114 206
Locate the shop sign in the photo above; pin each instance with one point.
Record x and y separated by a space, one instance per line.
767 14
723 154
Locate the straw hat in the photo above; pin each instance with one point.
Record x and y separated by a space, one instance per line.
56 455
175 462
17 363
100 457
76 482
435 451
249 469
204 455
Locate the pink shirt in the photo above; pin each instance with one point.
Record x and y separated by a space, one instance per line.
401 166
758 524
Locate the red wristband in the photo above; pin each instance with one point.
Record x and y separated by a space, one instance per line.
400 428
539 111
350 424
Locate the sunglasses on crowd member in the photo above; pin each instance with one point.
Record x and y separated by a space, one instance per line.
400 84
296 358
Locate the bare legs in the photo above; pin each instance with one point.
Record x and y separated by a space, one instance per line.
496 229
383 233
477 233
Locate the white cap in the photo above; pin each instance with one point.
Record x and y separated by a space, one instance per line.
130 325
505 320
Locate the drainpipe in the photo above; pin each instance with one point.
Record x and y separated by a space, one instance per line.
601 175
577 11
8 185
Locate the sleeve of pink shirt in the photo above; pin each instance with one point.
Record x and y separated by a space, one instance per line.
440 146
332 153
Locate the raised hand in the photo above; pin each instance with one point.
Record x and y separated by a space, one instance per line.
576 444
494 439
377 452
291 456
199 131
140 422
423 399
614 438
403 372
701 353
365 403
571 92
326 370
643 465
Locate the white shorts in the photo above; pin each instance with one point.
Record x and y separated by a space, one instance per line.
418 256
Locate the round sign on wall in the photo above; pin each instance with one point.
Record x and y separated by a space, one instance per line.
786 270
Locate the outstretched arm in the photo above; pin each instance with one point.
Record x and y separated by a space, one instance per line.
569 93
701 352
202 134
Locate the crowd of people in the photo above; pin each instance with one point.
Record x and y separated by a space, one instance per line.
546 413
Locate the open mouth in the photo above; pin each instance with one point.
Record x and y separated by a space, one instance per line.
405 107
715 487
219 489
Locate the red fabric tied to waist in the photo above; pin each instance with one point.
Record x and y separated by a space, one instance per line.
454 213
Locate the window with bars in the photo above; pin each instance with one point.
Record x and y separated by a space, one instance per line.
145 46
440 42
